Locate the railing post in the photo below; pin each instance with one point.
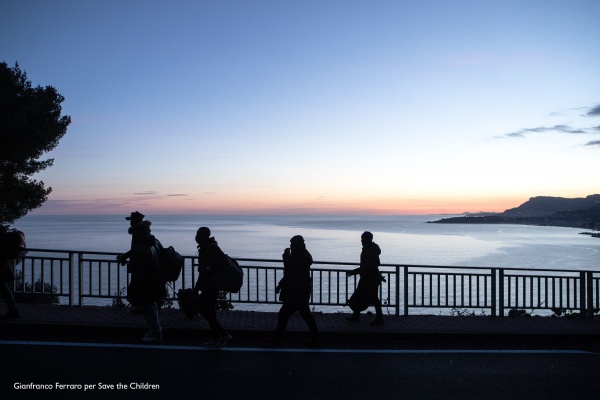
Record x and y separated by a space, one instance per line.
500 289
582 292
80 277
590 294
405 291
72 268
493 290
397 290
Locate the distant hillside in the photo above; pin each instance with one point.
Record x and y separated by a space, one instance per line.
543 211
542 206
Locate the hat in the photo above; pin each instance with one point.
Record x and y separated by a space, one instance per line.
136 216
297 240
203 232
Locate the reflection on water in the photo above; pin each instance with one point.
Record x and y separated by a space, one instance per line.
403 239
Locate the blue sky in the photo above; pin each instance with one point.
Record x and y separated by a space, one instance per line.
396 107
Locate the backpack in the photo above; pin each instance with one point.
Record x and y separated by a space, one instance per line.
13 245
187 300
170 263
12 250
231 278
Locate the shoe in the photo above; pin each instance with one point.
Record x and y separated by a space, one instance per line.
10 315
377 322
353 318
223 339
152 337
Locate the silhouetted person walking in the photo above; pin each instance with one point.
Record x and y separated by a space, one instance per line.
211 262
295 287
12 246
366 292
134 218
146 287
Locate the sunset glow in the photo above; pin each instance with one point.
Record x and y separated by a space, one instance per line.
335 107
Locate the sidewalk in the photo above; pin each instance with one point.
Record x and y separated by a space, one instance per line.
37 315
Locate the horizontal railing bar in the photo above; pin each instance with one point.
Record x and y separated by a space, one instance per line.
337 262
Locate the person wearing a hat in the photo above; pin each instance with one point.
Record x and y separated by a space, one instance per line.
366 292
146 288
12 246
211 262
295 288
135 218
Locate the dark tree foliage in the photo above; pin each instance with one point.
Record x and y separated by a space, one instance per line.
30 125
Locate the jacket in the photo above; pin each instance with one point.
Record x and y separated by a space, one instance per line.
370 278
296 284
146 286
211 262
369 263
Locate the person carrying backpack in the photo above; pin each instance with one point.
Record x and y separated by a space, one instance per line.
12 246
146 287
212 263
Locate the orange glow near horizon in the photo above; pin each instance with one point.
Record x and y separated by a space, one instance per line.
190 205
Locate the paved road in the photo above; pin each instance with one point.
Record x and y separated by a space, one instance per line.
343 370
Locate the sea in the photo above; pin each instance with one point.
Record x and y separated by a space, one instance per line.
404 239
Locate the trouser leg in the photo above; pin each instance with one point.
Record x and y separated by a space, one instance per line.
378 310
207 304
283 317
309 319
150 313
8 297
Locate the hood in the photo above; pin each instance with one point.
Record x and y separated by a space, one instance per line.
373 248
211 240
148 240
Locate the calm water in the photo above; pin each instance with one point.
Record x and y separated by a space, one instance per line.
403 239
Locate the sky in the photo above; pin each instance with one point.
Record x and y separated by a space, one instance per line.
313 107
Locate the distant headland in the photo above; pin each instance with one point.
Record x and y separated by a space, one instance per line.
542 211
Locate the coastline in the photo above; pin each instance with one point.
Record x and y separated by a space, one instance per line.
568 219
542 211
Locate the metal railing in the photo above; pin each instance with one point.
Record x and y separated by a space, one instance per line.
77 277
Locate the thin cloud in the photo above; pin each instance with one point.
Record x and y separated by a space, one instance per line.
177 195
91 206
543 129
593 143
147 193
567 111
594 111
561 128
